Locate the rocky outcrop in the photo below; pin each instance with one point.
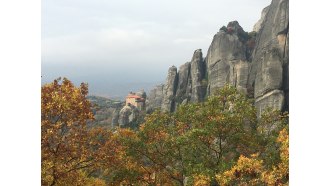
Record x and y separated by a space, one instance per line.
186 85
259 24
155 98
115 118
183 92
168 103
198 81
127 115
130 113
226 59
256 63
274 99
269 70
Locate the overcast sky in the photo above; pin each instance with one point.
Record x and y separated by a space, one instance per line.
108 43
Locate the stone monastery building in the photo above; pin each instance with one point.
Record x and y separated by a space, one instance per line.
136 99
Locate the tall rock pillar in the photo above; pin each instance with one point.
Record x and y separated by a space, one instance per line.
169 91
198 81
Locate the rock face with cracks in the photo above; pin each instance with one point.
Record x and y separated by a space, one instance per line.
256 65
269 74
168 103
226 60
197 76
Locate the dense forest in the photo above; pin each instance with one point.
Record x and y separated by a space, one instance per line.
217 142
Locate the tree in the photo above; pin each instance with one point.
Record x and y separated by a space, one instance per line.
252 171
155 148
198 140
221 129
219 141
279 174
70 152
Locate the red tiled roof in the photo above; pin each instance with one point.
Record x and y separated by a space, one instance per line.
133 96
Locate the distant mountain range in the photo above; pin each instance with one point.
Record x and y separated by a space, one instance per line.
106 87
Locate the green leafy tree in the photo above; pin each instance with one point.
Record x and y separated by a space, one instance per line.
220 129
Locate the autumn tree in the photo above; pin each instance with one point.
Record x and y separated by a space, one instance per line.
74 154
155 149
278 174
219 141
252 170
70 153
198 140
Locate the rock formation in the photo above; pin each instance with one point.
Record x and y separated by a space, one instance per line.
155 98
115 118
269 75
186 85
226 59
168 103
198 81
255 63
259 24
183 92
127 115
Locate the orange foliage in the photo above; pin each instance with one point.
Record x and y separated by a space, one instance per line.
251 171
70 151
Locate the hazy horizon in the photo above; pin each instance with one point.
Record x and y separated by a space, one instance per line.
122 46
